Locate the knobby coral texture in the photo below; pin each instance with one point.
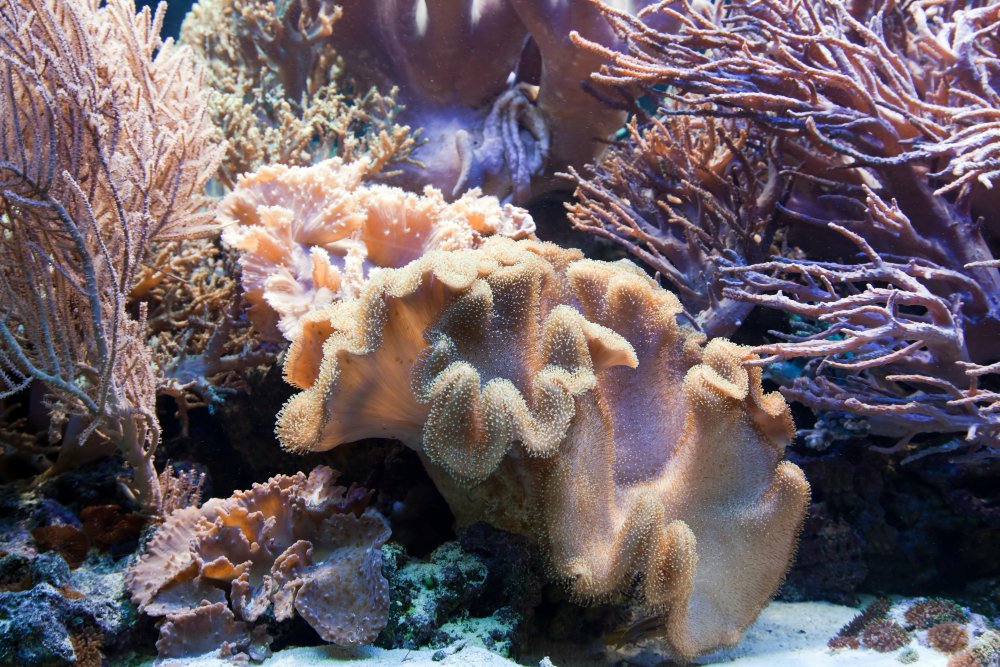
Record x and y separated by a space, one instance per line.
292 544
505 114
311 235
105 146
834 161
558 397
280 92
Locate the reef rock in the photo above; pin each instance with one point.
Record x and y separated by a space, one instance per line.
52 616
478 590
559 398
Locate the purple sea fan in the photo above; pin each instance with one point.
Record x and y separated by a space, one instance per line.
882 122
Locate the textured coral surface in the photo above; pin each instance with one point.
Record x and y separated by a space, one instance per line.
311 235
294 544
559 397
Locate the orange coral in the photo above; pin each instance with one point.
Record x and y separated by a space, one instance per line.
559 397
310 235
948 637
295 543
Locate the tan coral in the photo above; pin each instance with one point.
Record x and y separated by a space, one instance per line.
311 235
296 543
559 397
201 630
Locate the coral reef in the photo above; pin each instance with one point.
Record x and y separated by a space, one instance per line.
293 544
477 590
104 147
884 636
50 616
948 637
588 460
690 197
311 235
515 108
925 614
985 652
558 397
199 333
281 95
886 626
832 161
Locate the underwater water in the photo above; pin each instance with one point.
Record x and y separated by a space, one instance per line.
499 332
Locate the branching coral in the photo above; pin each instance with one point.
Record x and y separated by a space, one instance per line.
559 398
199 333
311 235
515 107
104 148
281 94
689 196
293 544
896 345
875 127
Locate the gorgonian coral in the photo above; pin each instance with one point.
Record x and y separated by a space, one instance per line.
280 92
104 148
559 398
514 107
293 544
311 235
857 143
690 196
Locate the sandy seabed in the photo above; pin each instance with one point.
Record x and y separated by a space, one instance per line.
787 634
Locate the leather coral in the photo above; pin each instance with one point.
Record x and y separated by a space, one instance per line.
558 397
310 235
293 544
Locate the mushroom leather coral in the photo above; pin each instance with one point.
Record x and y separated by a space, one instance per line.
295 543
558 397
514 105
310 235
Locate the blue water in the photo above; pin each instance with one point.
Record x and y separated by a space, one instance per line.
175 14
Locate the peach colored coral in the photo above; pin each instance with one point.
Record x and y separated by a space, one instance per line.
558 397
293 544
311 235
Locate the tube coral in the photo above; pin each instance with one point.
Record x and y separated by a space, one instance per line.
863 138
104 148
558 397
311 235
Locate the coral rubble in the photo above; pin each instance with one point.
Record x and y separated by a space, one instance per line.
558 397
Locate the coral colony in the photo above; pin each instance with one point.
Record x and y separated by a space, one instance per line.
601 312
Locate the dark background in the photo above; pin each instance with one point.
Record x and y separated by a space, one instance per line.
176 9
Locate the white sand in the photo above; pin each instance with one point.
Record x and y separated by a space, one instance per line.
785 635
365 656
795 635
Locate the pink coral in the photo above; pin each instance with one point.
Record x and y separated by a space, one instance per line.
295 543
558 397
311 235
